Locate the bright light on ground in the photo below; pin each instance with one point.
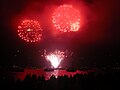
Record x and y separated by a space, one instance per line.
56 57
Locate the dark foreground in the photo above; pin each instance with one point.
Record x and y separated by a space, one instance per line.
89 81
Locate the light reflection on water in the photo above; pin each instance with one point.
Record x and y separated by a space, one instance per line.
47 75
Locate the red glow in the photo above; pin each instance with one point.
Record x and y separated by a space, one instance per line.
66 18
47 75
30 31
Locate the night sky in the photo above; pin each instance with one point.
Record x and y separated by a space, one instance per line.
96 43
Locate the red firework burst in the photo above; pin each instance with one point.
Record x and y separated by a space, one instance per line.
30 31
66 18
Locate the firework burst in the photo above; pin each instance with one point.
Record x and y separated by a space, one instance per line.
66 18
30 31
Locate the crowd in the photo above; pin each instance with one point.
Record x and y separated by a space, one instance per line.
90 81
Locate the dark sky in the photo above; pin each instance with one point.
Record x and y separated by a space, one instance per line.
97 42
